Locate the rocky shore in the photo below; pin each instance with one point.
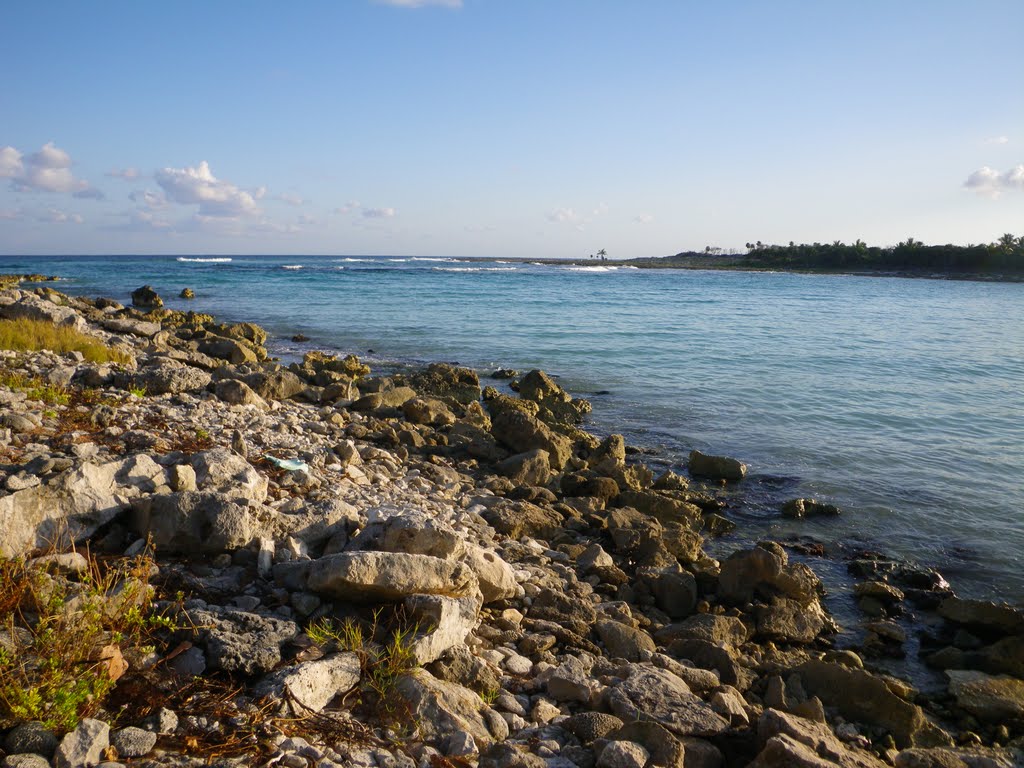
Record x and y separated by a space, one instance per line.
333 568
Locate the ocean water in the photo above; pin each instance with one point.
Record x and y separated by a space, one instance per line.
900 400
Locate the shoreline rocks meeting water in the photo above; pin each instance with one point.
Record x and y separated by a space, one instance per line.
424 570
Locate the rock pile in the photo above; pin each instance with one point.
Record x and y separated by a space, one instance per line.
431 573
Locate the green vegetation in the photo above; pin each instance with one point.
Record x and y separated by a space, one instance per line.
62 635
24 335
35 388
1002 258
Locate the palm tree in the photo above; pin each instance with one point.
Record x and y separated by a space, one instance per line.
602 254
1006 242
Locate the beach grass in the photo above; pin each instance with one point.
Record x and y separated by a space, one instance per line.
26 335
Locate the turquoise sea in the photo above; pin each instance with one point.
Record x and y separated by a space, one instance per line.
900 400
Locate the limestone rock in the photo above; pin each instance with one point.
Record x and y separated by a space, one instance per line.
240 641
311 685
623 754
373 576
234 351
716 467
720 630
624 642
789 620
427 410
497 578
793 741
190 521
982 613
170 377
446 381
447 621
650 693
84 745
527 468
522 432
238 393
277 384
146 298
440 707
221 471
800 508
519 518
556 405
990 698
142 328
133 742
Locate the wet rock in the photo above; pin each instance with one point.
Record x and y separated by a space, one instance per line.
998 617
187 293
716 467
556 405
800 508
146 298
650 693
375 576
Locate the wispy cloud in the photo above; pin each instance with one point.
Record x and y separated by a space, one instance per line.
998 140
198 186
378 213
9 215
643 218
54 216
291 199
128 174
575 218
989 182
48 170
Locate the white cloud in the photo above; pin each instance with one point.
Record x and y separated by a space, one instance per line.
144 221
989 182
54 216
347 208
198 186
48 170
564 215
128 174
421 3
287 197
998 140
573 217
643 218
10 163
378 213
151 200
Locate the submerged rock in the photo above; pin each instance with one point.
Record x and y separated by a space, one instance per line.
716 467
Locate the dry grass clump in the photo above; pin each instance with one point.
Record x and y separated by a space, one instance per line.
25 335
35 388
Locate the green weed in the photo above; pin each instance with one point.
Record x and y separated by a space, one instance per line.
24 335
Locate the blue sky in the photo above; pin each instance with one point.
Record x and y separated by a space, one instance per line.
535 128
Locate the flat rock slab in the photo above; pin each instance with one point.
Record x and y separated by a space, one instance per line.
650 693
367 576
992 698
313 684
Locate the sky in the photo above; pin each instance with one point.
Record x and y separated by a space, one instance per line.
529 128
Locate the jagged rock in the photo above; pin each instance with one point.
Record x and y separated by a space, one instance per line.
794 741
170 377
190 521
239 641
522 432
556 405
716 467
588 726
427 410
800 508
32 307
187 293
990 698
729 703
765 570
663 748
665 508
31 736
219 470
720 630
528 468
651 693
862 697
440 707
84 745
146 298
516 519
570 681
878 590
981 613
675 592
448 381
374 576
564 608
789 620
391 398
75 505
449 620
238 393
711 656
311 685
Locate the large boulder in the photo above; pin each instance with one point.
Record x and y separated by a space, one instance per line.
998 617
790 620
234 351
497 578
32 307
146 298
427 410
170 377
716 467
651 693
376 576
390 398
238 393
522 432
793 742
312 684
449 382
440 708
990 698
187 522
529 468
71 508
516 519
765 571
221 471
279 384
556 405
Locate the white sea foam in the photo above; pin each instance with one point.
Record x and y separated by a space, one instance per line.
291 266
590 269
217 260
351 259
474 269
397 259
433 258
